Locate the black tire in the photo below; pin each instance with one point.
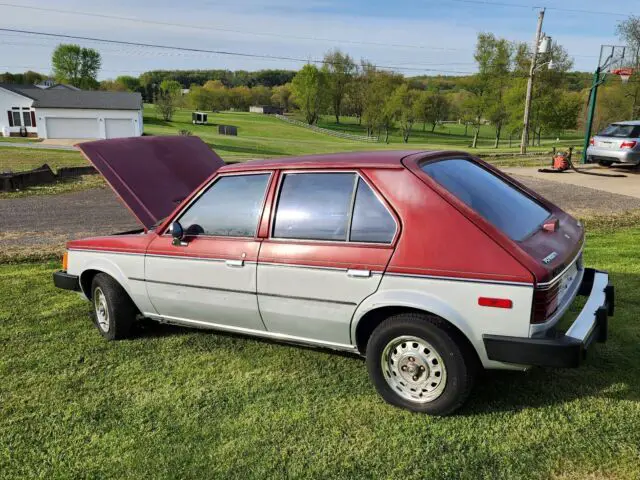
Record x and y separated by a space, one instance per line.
460 363
605 163
120 310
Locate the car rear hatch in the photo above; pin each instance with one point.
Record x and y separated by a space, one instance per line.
152 175
617 136
541 236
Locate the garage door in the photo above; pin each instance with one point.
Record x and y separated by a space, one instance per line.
119 127
72 128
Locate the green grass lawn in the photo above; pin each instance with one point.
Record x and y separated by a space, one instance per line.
180 403
259 136
21 159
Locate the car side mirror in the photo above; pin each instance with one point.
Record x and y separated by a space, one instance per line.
177 232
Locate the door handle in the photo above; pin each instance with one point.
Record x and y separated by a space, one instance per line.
234 263
358 273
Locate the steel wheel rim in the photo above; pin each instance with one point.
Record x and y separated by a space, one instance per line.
414 369
102 312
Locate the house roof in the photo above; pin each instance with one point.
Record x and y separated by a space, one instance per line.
81 99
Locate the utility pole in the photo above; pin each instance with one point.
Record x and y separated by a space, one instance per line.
527 104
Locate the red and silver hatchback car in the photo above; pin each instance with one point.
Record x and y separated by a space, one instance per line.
429 264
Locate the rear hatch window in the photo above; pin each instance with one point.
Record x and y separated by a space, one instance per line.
621 131
506 207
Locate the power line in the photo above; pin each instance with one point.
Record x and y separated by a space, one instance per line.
558 9
216 52
228 30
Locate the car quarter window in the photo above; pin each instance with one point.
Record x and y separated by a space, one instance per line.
314 206
371 221
231 207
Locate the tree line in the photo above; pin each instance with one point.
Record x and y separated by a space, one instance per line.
380 99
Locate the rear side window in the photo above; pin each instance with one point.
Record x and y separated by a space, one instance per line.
507 208
229 208
331 206
621 131
372 222
314 206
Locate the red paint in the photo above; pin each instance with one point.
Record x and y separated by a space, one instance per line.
218 248
440 236
134 243
326 254
495 302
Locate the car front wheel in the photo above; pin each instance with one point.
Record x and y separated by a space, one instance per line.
113 310
418 362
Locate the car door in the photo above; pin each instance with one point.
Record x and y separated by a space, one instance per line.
330 239
210 277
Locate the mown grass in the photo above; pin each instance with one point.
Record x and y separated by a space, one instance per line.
261 136
180 403
14 159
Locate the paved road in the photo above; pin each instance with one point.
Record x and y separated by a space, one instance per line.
51 220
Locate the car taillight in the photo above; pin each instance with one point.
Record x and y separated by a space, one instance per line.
592 141
545 302
65 261
631 144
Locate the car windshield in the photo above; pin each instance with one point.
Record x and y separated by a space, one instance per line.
621 131
507 208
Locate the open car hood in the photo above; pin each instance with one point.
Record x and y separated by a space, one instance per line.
152 175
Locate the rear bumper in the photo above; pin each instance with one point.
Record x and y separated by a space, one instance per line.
595 154
65 281
568 349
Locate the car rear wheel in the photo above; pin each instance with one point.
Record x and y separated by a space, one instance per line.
113 310
605 163
417 362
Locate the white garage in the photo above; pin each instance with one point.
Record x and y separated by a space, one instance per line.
119 127
65 112
72 127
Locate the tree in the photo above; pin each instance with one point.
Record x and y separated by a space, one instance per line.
432 107
167 99
112 86
339 69
629 31
76 66
261 95
378 112
131 84
402 107
282 96
309 88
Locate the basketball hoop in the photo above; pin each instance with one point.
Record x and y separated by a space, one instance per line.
623 73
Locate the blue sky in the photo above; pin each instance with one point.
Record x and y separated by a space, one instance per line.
422 37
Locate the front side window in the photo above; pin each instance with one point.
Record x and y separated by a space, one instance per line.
372 222
507 208
231 207
314 206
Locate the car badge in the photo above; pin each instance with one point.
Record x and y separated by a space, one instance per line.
549 258
567 236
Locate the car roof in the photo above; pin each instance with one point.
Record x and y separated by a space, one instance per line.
367 159
626 122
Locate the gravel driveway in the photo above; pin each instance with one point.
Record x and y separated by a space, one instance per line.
46 222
